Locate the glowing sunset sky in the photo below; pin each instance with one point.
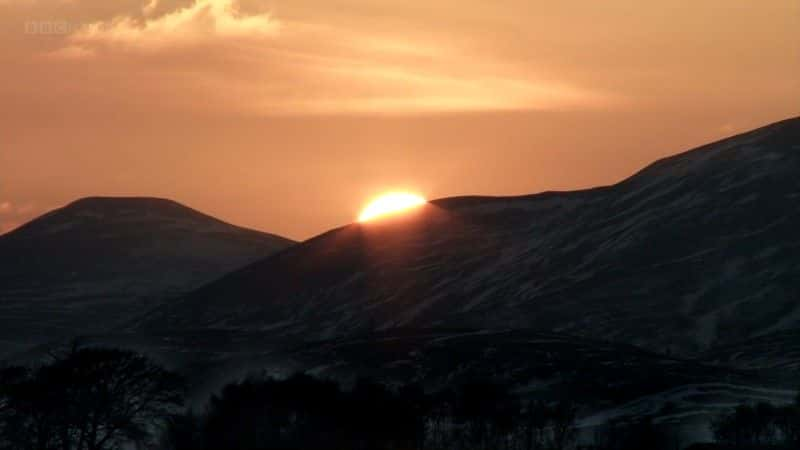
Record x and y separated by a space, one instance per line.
287 115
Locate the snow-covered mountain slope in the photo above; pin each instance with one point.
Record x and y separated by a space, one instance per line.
695 250
776 353
97 262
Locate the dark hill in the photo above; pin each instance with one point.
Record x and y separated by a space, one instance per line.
695 250
96 262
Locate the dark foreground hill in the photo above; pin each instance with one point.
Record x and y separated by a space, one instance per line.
696 250
96 262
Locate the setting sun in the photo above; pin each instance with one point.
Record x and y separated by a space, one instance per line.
390 203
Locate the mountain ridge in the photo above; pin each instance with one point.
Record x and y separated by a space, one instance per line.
466 200
109 258
139 203
623 262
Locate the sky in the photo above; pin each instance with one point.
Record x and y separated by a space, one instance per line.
289 115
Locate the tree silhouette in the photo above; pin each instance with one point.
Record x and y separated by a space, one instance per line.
488 411
90 399
562 425
759 426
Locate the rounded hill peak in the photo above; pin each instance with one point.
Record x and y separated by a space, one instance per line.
100 203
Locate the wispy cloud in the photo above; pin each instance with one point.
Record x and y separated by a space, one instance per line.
274 66
201 21
150 7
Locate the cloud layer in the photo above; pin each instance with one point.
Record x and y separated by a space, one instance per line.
231 55
267 57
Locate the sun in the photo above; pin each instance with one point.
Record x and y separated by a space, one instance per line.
390 203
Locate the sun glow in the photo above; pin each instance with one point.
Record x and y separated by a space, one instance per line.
390 203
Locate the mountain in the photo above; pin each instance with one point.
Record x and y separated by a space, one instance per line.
93 264
696 250
672 294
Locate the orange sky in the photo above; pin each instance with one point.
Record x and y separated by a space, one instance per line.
288 115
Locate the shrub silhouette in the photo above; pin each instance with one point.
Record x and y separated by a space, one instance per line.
303 412
634 433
